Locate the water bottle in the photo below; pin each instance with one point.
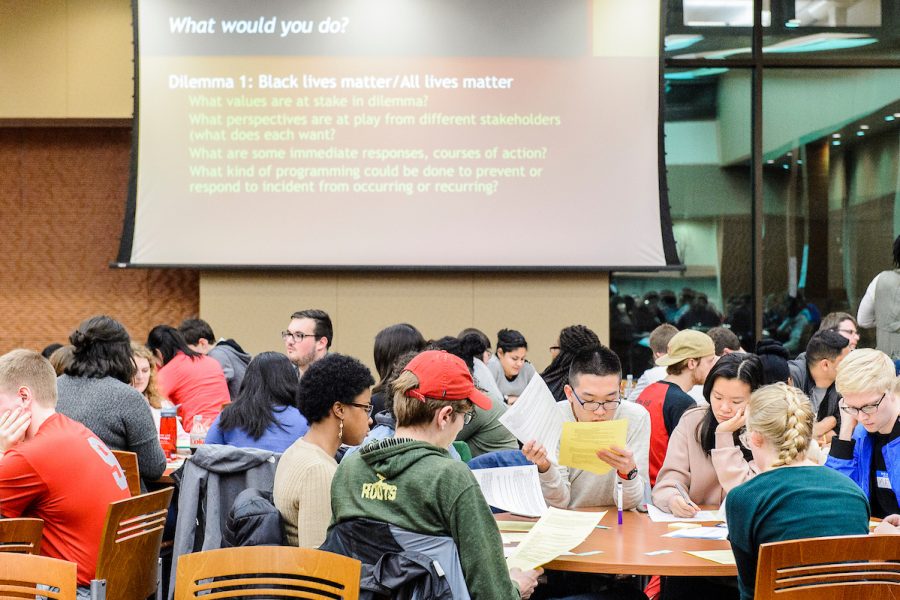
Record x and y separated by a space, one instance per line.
198 433
168 432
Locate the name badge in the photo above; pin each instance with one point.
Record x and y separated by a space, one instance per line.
884 482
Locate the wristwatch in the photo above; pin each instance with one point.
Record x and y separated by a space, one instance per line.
628 476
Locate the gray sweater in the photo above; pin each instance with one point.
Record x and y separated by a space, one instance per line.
118 414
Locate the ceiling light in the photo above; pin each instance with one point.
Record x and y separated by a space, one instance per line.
863 127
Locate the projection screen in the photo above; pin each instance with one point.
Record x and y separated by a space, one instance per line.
393 134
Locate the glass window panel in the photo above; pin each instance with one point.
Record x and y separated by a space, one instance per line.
832 207
708 29
818 30
707 143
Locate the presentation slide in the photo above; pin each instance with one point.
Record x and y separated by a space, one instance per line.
396 133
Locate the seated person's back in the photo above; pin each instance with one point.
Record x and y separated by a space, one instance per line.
793 497
264 414
409 480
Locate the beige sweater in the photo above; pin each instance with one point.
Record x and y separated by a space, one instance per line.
573 488
303 493
706 478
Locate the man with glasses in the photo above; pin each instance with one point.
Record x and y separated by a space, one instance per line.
308 337
593 395
867 448
690 356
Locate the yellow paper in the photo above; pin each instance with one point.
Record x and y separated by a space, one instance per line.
515 525
723 557
580 442
558 531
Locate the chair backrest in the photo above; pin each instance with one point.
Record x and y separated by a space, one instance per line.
20 574
865 566
129 463
267 571
129 548
22 536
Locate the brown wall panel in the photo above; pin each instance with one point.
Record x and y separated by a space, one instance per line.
62 198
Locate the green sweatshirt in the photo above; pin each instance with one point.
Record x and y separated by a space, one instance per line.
418 487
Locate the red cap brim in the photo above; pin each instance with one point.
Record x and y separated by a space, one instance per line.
480 399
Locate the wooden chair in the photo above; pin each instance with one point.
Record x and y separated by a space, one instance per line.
20 574
22 536
267 571
128 563
129 463
831 568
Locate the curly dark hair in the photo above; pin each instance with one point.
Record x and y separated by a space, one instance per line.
102 348
571 339
335 378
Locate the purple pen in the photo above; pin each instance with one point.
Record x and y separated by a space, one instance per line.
619 499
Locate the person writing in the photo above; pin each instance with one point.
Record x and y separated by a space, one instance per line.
705 456
792 497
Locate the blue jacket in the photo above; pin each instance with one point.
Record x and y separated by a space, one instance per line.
858 468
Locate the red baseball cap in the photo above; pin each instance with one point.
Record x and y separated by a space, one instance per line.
443 376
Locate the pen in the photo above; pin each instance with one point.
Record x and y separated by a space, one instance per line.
619 499
683 493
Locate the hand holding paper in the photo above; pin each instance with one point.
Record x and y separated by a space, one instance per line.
581 442
535 416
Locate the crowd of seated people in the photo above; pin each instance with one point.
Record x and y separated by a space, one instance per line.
356 465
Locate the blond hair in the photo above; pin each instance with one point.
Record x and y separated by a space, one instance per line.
865 370
154 398
783 415
411 412
28 368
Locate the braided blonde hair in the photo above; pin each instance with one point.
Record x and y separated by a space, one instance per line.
783 415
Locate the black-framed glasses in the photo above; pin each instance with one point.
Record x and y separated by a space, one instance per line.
554 348
609 405
468 416
868 409
297 337
366 407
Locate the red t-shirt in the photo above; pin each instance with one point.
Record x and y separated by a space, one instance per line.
665 402
66 476
196 386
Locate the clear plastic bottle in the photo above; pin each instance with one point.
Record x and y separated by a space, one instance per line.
198 432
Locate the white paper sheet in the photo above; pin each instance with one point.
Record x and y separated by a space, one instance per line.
658 516
513 489
534 416
700 533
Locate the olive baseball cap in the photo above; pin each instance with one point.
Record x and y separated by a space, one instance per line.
686 344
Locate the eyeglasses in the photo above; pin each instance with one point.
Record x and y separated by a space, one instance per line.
848 331
297 337
554 348
868 409
366 407
608 406
468 416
